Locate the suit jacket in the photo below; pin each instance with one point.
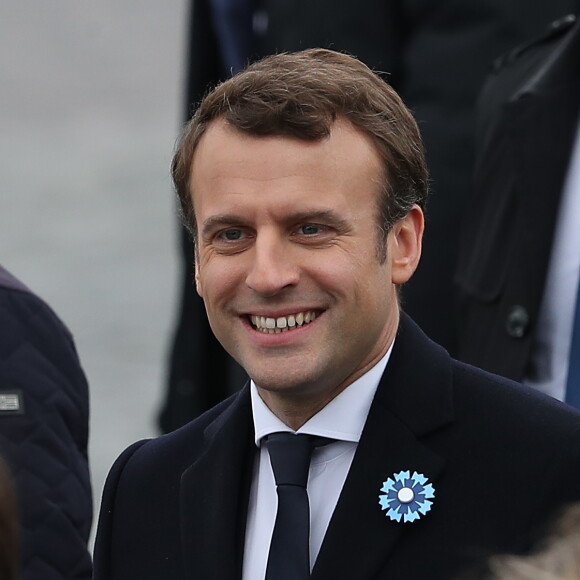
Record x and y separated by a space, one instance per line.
501 458
437 55
44 437
528 120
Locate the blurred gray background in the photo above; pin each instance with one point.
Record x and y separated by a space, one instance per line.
90 109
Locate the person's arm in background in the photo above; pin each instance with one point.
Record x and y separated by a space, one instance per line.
44 407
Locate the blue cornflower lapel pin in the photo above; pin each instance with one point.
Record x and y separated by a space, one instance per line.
406 496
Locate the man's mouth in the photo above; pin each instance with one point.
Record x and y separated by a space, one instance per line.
282 323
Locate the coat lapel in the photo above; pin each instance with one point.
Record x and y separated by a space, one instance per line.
214 495
412 400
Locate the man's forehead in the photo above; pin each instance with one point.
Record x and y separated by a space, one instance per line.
221 129
226 153
221 126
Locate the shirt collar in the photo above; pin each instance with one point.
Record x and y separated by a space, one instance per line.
342 419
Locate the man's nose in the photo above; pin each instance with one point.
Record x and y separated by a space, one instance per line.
273 267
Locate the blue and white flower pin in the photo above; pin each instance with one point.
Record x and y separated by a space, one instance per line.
407 496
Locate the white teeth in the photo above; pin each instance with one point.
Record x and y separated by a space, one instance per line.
282 323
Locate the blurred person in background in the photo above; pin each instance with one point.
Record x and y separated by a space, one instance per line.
436 55
519 272
44 414
557 557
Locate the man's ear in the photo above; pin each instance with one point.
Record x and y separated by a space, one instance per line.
405 245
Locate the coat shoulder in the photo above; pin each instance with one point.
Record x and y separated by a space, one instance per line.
514 407
174 451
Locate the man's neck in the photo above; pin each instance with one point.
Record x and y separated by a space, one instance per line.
295 409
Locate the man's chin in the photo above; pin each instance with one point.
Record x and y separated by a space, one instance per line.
284 385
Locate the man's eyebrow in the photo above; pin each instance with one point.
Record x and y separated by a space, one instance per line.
326 216
219 220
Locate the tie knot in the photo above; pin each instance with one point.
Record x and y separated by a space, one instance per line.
290 457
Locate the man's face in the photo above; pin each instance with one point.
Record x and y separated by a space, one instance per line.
287 257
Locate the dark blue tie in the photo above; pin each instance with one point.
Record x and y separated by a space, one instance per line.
289 557
573 382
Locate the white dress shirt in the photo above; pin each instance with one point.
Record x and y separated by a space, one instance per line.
551 349
343 420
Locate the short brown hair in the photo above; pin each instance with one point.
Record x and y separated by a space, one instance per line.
301 95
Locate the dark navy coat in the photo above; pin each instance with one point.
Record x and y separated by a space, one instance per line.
43 435
503 459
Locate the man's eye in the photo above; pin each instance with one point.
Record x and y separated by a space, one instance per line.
310 229
231 235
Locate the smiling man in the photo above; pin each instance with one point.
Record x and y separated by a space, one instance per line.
303 181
